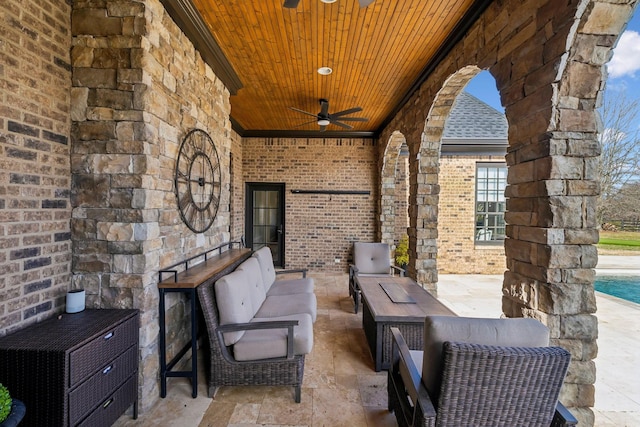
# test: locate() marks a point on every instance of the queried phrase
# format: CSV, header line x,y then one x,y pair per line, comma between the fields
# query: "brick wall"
x,y
320,228
35,244
457,252
236,197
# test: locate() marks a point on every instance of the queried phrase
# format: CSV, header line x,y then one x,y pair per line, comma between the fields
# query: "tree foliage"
x,y
619,168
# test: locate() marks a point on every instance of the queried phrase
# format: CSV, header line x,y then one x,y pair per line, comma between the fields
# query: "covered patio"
x,y
341,387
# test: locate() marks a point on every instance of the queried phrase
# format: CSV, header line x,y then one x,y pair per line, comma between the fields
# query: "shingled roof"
x,y
474,126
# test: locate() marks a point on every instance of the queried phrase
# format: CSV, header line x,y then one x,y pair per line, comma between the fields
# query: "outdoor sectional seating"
x,y
259,329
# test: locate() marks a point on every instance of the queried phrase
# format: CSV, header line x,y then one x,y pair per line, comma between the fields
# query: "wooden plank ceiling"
x,y
377,53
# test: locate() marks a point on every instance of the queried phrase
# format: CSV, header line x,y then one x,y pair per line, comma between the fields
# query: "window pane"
x,y
490,202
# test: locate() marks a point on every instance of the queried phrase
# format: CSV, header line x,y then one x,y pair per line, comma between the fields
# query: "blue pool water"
x,y
625,287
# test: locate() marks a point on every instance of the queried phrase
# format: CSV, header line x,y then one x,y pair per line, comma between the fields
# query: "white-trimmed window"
x,y
491,180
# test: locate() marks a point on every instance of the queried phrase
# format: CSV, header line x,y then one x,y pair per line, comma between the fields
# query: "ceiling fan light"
x,y
328,1
324,71
323,122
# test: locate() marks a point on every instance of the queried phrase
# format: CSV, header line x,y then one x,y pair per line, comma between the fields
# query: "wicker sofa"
x,y
259,328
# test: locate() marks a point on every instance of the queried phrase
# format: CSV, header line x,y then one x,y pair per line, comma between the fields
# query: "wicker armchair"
x,y
369,259
224,370
480,384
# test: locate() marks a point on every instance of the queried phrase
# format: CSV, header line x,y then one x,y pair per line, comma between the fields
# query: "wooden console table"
x,y
213,266
380,313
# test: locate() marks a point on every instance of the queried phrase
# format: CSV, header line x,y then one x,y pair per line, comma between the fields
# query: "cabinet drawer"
x,y
97,353
90,393
112,407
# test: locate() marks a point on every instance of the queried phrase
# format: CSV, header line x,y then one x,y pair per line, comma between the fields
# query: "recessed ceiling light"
x,y
328,1
324,71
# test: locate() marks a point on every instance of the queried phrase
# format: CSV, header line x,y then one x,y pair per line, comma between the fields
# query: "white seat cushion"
x,y
304,285
285,305
270,343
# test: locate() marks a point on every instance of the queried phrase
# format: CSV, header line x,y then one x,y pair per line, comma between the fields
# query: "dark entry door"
x,y
264,222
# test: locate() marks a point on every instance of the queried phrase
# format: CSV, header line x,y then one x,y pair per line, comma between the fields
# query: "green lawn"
x,y
620,241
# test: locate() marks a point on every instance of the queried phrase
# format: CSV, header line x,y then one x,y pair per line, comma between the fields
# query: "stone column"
x,y
137,85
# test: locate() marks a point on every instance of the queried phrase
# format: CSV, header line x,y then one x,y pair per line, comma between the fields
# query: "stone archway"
x,y
424,179
389,188
547,58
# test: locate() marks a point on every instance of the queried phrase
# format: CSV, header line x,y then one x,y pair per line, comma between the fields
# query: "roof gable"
x,y
473,119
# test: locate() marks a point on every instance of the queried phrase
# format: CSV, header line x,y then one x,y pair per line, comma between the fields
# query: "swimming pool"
x,y
625,287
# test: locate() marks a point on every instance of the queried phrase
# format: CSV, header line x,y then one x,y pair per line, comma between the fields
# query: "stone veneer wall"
x,y
138,87
35,240
401,197
548,61
320,228
457,251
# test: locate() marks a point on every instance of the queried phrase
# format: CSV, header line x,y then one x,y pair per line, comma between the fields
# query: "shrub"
x,y
402,252
5,403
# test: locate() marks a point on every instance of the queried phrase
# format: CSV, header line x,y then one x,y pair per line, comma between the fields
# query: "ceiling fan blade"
x,y
303,112
344,125
305,123
324,107
365,3
291,4
345,112
354,119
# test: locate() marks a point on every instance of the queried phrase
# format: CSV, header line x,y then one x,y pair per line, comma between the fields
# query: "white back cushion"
x,y
520,332
372,258
254,278
265,259
233,297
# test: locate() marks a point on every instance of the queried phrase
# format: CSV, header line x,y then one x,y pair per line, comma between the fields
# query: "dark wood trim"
x,y
460,30
301,134
361,192
189,20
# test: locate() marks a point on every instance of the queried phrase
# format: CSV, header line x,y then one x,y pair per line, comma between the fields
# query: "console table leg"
x,y
162,345
194,344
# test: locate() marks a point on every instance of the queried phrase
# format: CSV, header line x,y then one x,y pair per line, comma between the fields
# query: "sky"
x,y
624,69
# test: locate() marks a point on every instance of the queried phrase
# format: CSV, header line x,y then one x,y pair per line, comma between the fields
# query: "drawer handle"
x,y
107,369
108,336
107,403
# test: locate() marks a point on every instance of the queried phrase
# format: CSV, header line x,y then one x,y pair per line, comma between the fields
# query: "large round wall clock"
x,y
197,181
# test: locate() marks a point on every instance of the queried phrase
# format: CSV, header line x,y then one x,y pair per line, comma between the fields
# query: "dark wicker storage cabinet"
x,y
77,370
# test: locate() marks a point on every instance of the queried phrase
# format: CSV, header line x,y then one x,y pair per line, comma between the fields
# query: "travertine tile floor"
x,y
341,388
340,385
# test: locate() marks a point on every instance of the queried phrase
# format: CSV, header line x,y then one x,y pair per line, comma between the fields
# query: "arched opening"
x,y
394,216
471,205
472,179
424,201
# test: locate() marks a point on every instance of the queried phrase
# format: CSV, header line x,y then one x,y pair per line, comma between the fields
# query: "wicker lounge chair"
x,y
455,382
369,259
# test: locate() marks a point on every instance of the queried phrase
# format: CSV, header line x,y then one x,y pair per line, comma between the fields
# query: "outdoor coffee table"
x,y
395,302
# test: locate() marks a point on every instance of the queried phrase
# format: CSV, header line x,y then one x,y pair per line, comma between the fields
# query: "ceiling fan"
x,y
324,119
292,4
